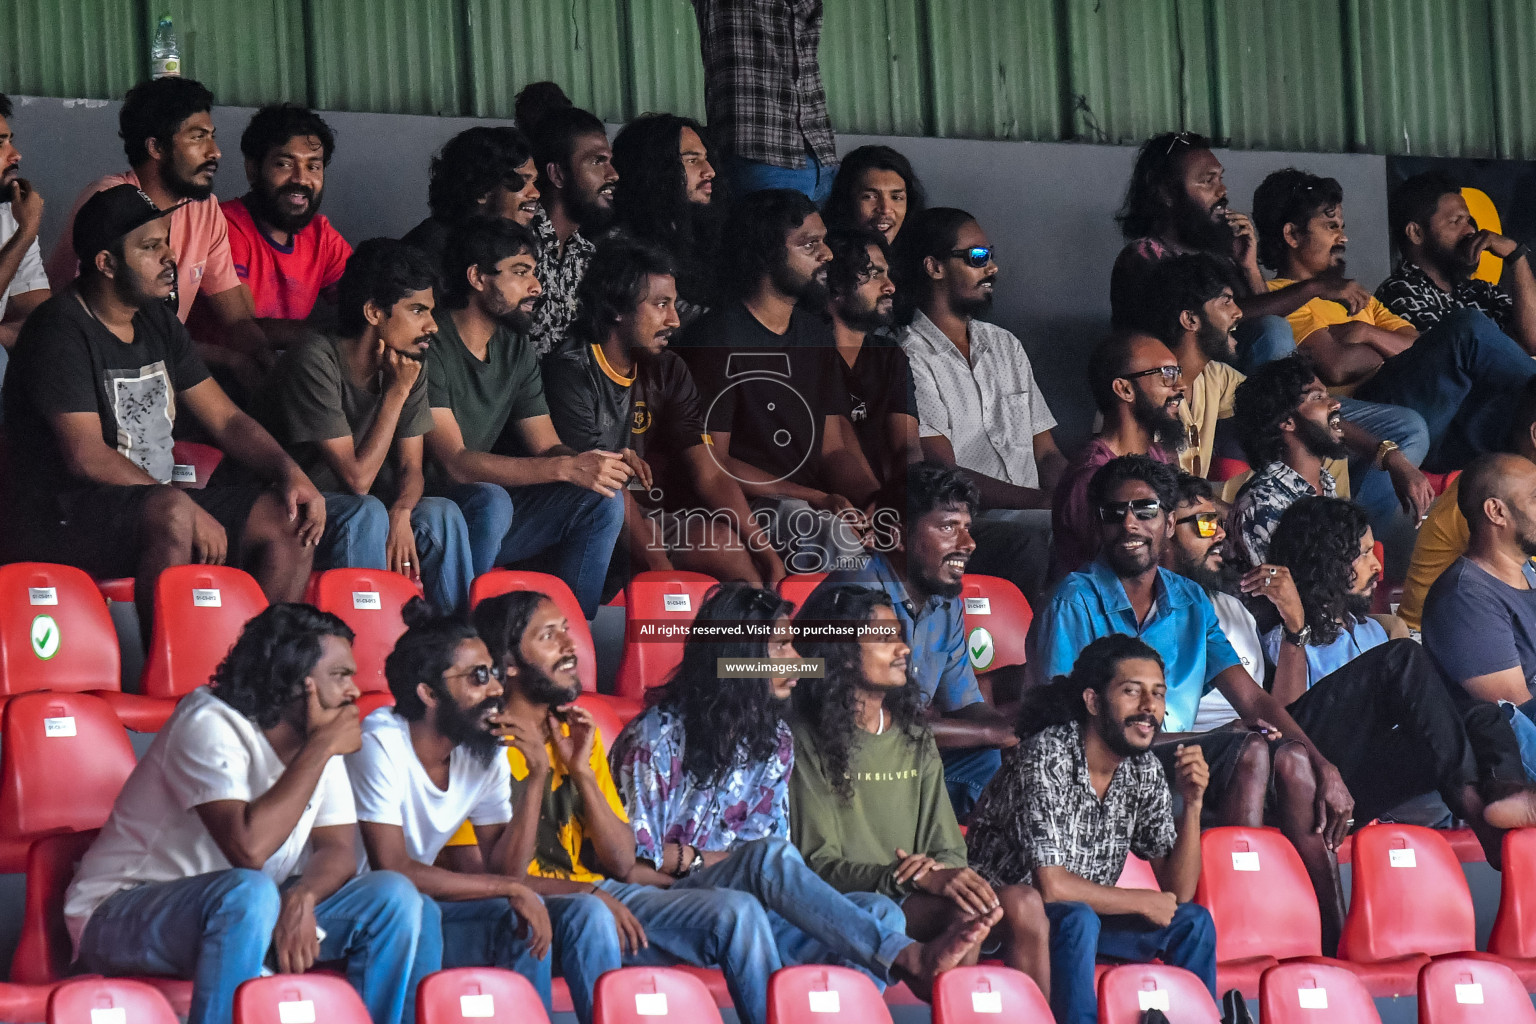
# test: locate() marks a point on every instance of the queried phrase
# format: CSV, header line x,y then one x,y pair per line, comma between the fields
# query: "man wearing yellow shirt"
x,y
1300,221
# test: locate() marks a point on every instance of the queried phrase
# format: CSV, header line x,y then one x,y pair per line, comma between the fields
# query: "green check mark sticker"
x,y
978,645
45,637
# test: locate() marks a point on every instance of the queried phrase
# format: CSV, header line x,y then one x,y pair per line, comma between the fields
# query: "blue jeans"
x,y
966,774
483,933
1079,936
705,928
586,942
814,180
1371,487
811,921
1464,376
1263,339
573,529
215,930
357,534
1525,736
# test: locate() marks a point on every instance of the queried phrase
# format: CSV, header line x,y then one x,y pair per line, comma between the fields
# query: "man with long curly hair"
x,y
704,774
233,844
868,806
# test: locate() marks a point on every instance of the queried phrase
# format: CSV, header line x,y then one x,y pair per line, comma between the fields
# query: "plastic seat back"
x,y
63,759
1130,990
997,619
44,950
1461,990
108,1001
611,714
199,613
1408,896
299,999
653,995
195,463
1137,874
798,586
820,994
1257,890
370,601
505,581
478,994
988,994
652,600
1314,994
55,631
1514,929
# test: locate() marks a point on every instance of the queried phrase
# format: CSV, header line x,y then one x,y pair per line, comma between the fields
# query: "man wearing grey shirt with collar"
x,y
978,406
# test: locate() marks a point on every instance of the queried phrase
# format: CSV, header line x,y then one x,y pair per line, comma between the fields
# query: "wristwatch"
x,y
1519,252
1383,450
1300,638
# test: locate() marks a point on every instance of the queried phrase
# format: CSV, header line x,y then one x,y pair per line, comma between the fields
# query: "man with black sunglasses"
x,y
978,406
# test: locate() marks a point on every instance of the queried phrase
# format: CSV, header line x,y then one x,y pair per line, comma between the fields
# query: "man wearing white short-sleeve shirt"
x,y
23,281
233,843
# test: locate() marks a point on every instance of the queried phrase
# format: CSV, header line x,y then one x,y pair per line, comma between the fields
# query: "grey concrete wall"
x,y
1048,207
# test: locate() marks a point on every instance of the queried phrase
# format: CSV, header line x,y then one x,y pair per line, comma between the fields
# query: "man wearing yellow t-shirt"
x,y
581,840
1300,221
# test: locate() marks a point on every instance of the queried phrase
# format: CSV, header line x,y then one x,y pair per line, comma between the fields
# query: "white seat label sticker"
x,y
987,1002
482,1005
1312,998
1401,859
366,601
825,1002
206,598
109,1015
296,1011
676,603
1472,994
1245,860
1154,999
651,1004
978,606
53,727
42,595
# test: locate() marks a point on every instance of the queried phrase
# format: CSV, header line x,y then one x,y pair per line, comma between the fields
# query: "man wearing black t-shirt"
x,y
766,367
882,400
494,451
98,376
615,387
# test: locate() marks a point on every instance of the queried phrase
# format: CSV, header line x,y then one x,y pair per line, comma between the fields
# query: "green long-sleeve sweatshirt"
x,y
899,802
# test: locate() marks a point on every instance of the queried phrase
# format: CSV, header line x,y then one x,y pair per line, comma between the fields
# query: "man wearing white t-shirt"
x,y
233,843
23,281
432,762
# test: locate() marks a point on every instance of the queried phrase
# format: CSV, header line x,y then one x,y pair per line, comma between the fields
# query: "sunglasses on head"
x,y
1142,508
1171,374
1205,523
976,256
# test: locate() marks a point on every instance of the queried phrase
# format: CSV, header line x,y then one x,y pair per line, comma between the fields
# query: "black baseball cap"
x,y
111,214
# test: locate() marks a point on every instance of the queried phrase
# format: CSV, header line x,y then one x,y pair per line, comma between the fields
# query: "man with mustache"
x,y
1176,204
1439,246
495,452
23,282
576,187
352,409
767,373
167,129
482,173
101,372
620,389
978,405
1464,375
1138,386
433,762
882,400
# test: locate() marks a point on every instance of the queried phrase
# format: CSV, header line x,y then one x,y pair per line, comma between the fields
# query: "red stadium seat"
x,y
821,994
200,459
672,598
1130,990
1137,874
1224,468
997,619
988,994
611,714
119,589
292,998
1314,994
478,994
370,601
78,1002
1514,929
49,740
652,995
504,581
1257,890
23,1004
199,613
796,587
55,631
1462,990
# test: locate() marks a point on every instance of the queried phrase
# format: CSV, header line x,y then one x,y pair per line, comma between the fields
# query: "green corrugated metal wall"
x,y
1436,77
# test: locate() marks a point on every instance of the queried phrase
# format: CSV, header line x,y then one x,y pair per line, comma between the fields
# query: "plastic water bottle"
x,y
164,54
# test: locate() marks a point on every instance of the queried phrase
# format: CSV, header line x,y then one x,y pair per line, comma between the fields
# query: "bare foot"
x,y
1515,811
920,963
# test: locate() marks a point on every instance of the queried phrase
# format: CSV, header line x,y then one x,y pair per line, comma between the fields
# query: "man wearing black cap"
x,y
98,374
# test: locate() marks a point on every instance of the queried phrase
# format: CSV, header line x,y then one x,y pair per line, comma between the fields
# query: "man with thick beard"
x,y
493,447
168,135
1138,386
765,365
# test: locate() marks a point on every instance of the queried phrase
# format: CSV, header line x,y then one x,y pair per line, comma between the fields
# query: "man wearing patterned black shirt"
x,y
1439,245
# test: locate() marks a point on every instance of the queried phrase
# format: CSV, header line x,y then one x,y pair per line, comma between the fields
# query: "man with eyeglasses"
x,y
1138,387
978,406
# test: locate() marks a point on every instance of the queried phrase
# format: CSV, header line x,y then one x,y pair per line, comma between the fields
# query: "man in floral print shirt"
x,y
714,813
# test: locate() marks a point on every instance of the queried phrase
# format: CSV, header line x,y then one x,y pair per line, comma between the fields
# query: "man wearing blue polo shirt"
x,y
920,562
1125,591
